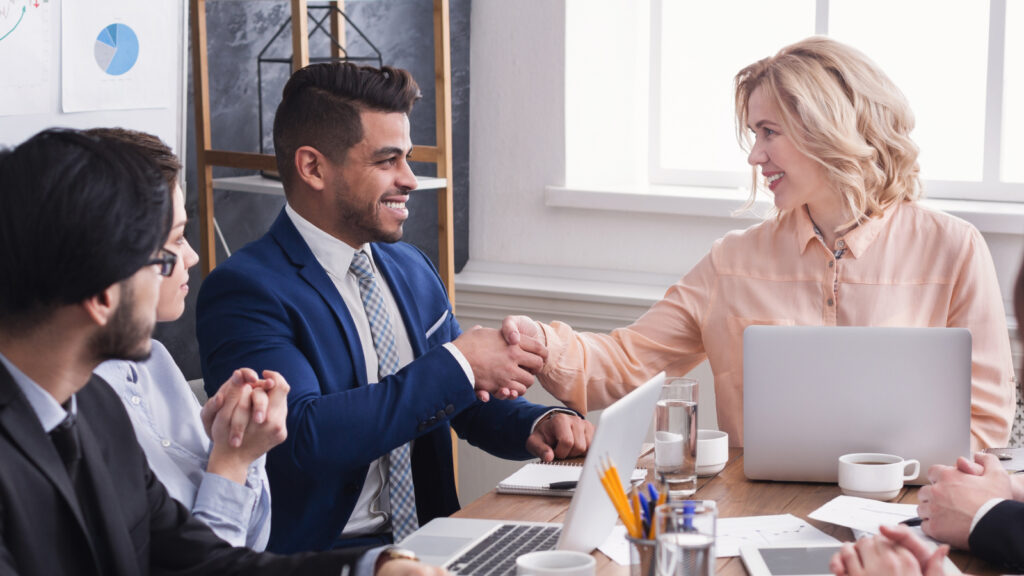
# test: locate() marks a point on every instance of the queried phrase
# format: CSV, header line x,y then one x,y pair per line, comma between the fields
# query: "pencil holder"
x,y
641,556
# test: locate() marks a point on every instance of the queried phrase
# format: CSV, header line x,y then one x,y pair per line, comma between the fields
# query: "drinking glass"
x,y
685,534
675,437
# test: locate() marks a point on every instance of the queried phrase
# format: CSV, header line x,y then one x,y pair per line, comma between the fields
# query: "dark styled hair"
x,y
77,215
321,103
150,146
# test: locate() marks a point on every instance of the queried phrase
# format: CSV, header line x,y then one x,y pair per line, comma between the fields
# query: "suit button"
x,y
449,409
440,415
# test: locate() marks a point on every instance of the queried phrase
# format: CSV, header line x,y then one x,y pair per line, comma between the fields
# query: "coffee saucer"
x,y
710,469
887,495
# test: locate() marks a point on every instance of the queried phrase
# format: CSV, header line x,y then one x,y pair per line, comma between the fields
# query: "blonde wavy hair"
x,y
841,110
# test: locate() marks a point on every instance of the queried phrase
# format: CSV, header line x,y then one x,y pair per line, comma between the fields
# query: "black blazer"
x,y
999,536
144,530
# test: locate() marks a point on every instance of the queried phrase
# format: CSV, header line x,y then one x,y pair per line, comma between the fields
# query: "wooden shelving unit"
x,y
207,157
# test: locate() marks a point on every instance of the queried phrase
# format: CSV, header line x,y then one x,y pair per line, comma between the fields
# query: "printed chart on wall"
x,y
117,54
25,32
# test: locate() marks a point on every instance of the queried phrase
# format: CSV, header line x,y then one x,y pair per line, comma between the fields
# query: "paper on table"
x,y
731,533
776,530
615,546
863,513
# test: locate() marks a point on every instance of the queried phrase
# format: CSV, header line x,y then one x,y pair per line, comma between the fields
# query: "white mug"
x,y
712,452
555,563
877,476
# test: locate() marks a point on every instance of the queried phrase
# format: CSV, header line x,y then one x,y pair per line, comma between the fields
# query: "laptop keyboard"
x,y
496,554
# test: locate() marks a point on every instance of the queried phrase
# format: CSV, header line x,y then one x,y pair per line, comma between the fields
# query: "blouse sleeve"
x,y
239,514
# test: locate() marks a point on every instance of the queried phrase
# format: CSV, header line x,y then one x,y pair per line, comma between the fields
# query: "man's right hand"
x,y
409,568
500,369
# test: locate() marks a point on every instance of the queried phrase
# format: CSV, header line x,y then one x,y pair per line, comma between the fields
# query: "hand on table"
x,y
409,568
560,435
897,552
947,507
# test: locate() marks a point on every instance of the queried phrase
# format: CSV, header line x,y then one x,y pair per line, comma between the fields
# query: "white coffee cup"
x,y
712,452
555,563
877,476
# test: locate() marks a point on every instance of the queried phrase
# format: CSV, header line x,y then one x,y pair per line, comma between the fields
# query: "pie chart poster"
x,y
117,54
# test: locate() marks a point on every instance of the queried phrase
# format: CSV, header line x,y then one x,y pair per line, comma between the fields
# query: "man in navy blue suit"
x,y
361,327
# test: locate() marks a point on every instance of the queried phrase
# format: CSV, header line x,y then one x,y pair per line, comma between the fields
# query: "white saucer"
x,y
710,469
872,495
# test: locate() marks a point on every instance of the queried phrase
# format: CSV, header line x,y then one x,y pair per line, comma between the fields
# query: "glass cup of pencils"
x,y
685,534
636,510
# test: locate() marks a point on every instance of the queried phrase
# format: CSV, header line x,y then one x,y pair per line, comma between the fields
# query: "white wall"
x,y
600,268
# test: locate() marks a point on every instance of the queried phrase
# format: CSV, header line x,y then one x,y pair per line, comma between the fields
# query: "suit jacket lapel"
x,y
19,422
310,270
404,298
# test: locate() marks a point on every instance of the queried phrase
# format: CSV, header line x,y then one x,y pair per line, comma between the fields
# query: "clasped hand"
x,y
245,419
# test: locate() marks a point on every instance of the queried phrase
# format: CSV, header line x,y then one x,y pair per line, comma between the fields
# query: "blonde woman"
x,y
828,136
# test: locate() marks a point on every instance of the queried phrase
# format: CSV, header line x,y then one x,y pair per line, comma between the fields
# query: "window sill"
x,y
988,217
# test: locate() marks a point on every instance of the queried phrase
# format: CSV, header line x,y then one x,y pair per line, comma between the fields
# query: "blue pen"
x,y
652,491
644,503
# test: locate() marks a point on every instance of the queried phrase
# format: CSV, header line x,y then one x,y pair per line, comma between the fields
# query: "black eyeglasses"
x,y
167,260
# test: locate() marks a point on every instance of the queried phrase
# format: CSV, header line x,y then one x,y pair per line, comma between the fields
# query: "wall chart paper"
x,y
25,32
117,54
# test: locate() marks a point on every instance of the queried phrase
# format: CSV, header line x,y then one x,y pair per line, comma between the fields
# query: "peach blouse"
x,y
911,267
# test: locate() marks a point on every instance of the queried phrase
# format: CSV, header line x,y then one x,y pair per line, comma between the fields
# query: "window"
x,y
963,74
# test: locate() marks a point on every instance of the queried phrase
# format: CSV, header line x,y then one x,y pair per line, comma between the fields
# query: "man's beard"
x,y
124,337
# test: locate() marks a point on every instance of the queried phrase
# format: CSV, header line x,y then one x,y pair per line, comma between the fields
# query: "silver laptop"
x,y
471,546
811,394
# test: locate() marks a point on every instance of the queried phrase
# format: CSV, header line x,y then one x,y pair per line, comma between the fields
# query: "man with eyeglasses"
x,y
81,223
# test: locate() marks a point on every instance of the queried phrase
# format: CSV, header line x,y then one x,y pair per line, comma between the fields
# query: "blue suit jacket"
x,y
272,306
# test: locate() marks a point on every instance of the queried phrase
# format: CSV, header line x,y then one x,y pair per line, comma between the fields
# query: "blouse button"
x,y
165,443
829,301
136,400
841,244
831,263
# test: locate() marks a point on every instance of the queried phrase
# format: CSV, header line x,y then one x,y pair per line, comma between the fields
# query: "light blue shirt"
x,y
165,415
47,410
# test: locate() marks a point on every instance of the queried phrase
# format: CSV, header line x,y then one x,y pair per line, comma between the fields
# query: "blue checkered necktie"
x,y
401,494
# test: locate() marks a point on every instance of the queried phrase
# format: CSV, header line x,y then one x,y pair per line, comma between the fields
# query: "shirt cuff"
x,y
366,562
225,506
462,362
982,511
551,412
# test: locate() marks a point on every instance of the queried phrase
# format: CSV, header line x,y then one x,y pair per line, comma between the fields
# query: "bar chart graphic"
x,y
116,49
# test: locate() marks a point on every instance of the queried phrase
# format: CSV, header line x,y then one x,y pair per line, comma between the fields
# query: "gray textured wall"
x,y
403,32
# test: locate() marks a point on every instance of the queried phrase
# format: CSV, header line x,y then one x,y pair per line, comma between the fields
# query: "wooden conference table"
x,y
734,495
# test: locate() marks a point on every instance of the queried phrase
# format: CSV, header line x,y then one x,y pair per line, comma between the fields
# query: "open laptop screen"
x,y
812,393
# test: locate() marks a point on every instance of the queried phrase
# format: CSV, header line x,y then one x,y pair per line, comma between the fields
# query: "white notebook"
x,y
536,478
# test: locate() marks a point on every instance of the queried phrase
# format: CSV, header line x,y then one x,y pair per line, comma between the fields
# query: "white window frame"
x,y
989,188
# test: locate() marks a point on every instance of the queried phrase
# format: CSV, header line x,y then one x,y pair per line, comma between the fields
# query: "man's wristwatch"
x,y
393,553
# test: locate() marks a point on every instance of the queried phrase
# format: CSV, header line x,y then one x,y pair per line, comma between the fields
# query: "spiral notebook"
x,y
536,477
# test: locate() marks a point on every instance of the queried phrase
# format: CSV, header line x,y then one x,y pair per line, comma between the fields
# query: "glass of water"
x,y
685,533
675,437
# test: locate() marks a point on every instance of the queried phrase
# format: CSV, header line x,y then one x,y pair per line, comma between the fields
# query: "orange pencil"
x,y
638,518
661,500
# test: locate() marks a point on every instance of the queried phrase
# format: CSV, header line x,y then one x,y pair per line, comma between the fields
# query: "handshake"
x,y
504,361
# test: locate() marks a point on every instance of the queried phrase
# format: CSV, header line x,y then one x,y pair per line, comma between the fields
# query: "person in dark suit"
x,y
82,221
974,505
361,327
